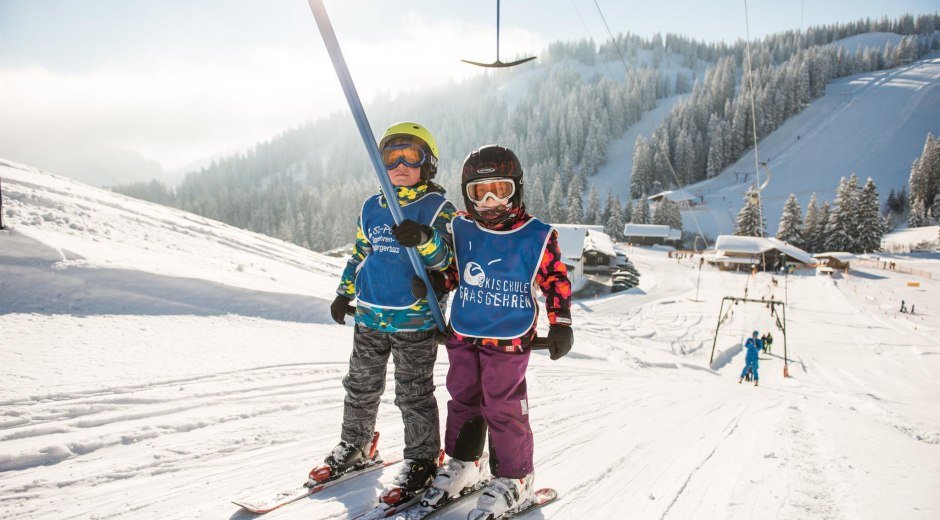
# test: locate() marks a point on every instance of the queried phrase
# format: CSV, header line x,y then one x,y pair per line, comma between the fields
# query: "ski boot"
x,y
413,478
453,480
345,457
503,495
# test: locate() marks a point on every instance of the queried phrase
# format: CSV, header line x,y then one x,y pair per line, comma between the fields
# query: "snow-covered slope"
x,y
873,125
158,365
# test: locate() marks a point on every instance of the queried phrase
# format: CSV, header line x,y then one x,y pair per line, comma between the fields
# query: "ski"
x,y
541,498
266,505
424,511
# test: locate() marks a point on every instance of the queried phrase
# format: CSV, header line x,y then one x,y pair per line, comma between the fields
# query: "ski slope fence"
x,y
884,265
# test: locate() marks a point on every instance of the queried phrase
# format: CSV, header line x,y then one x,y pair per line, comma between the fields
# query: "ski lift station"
x,y
734,253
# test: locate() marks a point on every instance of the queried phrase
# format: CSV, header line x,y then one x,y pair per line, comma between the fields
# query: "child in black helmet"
x,y
501,254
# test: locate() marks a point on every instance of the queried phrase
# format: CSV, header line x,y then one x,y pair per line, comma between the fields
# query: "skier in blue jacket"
x,y
753,346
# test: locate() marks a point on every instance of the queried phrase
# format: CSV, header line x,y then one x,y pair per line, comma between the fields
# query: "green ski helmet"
x,y
413,132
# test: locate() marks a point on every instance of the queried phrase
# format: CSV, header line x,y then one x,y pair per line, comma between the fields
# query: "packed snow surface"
x,y
157,365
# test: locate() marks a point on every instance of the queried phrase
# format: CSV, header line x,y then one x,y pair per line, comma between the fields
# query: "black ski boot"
x,y
343,458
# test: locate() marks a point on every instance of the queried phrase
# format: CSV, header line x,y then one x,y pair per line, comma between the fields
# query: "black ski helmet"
x,y
491,162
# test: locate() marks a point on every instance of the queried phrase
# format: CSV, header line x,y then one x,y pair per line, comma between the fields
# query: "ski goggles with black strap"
x,y
500,190
409,154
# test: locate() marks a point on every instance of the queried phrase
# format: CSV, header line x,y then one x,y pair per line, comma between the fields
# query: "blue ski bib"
x,y
384,277
497,269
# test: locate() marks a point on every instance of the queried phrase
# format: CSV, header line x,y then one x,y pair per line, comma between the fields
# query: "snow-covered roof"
x,y
646,230
757,245
838,255
600,242
571,240
675,234
673,195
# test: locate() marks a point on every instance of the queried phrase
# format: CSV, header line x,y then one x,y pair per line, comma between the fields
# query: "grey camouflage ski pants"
x,y
414,354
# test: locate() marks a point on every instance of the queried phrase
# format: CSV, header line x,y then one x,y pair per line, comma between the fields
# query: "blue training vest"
x,y
497,269
384,277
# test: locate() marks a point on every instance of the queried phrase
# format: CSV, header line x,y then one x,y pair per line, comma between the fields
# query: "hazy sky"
x,y
177,81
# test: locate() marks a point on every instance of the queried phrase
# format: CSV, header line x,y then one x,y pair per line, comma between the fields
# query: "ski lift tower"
x,y
780,318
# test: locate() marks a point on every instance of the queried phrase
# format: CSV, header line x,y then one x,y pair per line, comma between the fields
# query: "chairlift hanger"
x,y
498,63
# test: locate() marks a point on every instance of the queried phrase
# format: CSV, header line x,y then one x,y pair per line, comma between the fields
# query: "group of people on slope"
x,y
492,256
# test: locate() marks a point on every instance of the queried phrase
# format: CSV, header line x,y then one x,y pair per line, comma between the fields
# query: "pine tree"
x,y
628,212
791,223
841,232
871,226
821,238
918,215
575,209
556,202
594,207
667,214
811,226
641,176
535,197
614,225
641,212
750,220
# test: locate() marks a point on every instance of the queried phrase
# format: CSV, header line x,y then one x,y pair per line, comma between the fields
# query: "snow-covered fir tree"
x,y
534,195
614,224
594,210
821,238
556,202
811,225
750,220
628,212
871,226
641,177
918,214
842,232
667,214
575,206
641,212
924,182
791,223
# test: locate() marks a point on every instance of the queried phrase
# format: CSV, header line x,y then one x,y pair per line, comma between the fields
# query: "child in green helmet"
x,y
389,319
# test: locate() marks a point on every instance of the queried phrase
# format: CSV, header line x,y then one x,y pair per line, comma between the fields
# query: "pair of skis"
x,y
413,509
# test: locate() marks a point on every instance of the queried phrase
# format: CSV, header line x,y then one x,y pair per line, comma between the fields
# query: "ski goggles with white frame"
x,y
500,190
409,154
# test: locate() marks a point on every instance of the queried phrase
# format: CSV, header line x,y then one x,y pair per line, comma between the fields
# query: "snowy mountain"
x,y
156,364
871,124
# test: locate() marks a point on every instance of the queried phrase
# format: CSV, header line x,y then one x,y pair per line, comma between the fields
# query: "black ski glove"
x,y
419,290
410,233
339,308
560,338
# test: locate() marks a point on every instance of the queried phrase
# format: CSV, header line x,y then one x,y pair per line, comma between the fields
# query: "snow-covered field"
x,y
154,364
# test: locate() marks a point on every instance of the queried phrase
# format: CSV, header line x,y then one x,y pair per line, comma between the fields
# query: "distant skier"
x,y
500,251
753,346
903,307
768,343
390,320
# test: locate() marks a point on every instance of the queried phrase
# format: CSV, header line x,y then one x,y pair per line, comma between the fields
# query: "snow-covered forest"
x,y
561,115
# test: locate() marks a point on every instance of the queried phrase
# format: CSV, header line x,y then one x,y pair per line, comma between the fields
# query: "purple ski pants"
x,y
487,382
